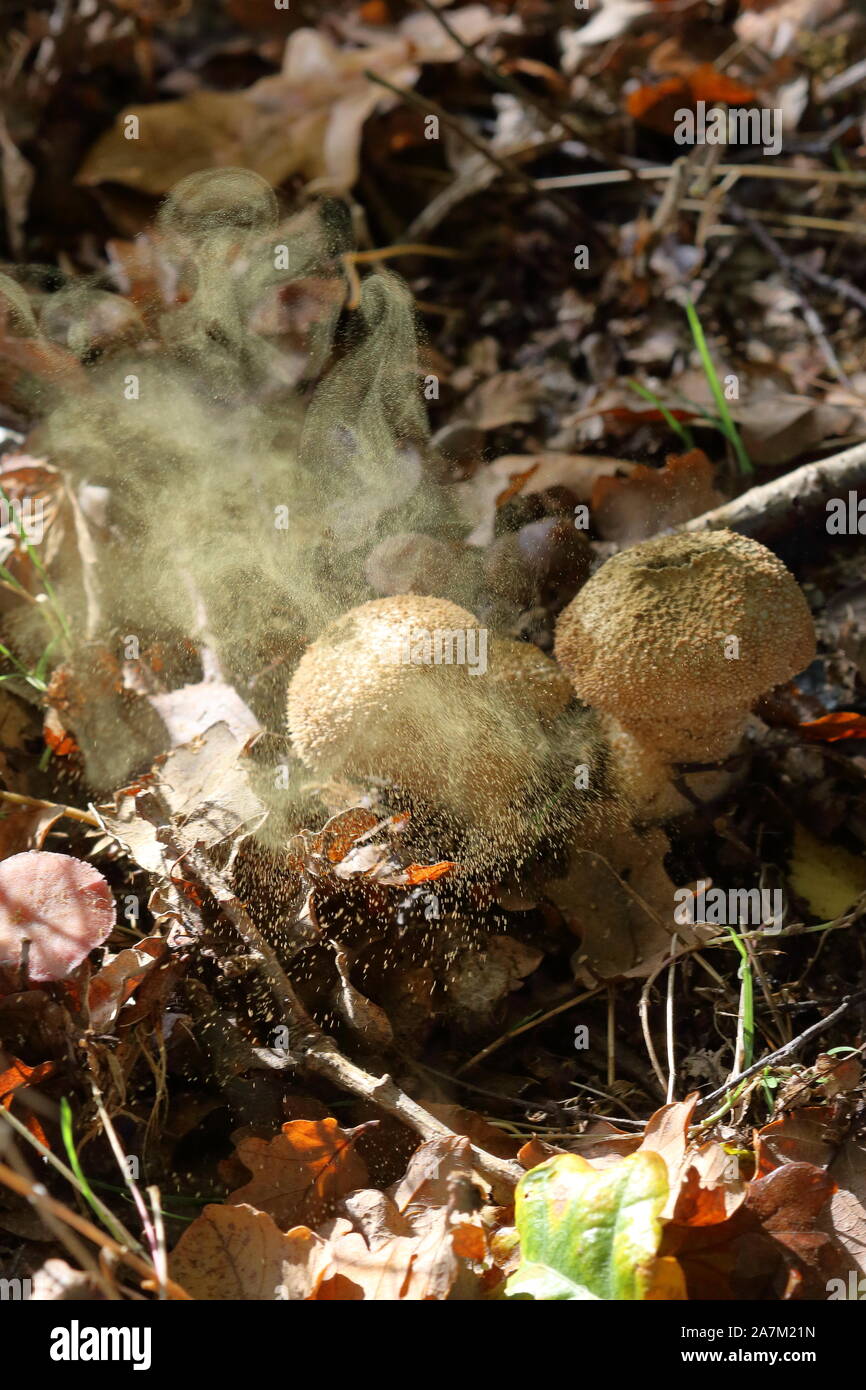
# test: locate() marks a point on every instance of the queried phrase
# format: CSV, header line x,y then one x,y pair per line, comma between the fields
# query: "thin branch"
x,y
311,1048
70,812
853,178
505,165
769,508
783,1053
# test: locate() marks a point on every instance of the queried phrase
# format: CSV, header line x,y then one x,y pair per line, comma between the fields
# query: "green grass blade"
x,y
727,422
84,1186
672,422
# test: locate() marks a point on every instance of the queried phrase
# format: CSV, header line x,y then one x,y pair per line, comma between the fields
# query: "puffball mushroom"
x,y
380,695
675,639
61,906
523,673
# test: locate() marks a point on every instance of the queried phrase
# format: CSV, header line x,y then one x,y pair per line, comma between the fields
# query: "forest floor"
x,y
309,1056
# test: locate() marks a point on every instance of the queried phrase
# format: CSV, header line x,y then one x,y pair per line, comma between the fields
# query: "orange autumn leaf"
x,y
375,12
830,728
644,417
426,873
654,104
298,1175
645,99
17,1076
515,485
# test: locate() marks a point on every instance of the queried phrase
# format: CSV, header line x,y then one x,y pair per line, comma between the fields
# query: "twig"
x,y
810,314
795,268
611,1035
37,1194
853,178
503,163
117,1149
788,1050
309,1046
524,1028
508,83
383,253
669,1032
764,510
70,812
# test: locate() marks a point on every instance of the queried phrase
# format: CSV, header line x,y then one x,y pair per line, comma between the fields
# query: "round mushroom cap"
x,y
54,910
678,636
400,689
523,673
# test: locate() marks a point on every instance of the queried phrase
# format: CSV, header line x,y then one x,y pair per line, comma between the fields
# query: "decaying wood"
x,y
779,505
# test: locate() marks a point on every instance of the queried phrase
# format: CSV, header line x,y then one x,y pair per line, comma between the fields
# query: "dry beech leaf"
x,y
307,120
506,399
798,1137
418,1267
844,1217
27,828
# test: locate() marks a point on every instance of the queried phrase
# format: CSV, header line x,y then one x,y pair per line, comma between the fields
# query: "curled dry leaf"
x,y
653,499
367,1020
119,978
16,1077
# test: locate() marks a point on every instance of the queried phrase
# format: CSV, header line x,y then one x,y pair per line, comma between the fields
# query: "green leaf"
x,y
540,1283
587,1232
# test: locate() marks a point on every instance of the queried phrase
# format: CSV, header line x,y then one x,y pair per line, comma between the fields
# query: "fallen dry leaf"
x,y
236,1252
307,120
119,978
652,499
297,1176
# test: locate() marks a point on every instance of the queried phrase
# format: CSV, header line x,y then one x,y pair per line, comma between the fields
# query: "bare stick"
x,y
312,1049
503,163
851,178
782,1053
772,507
70,812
